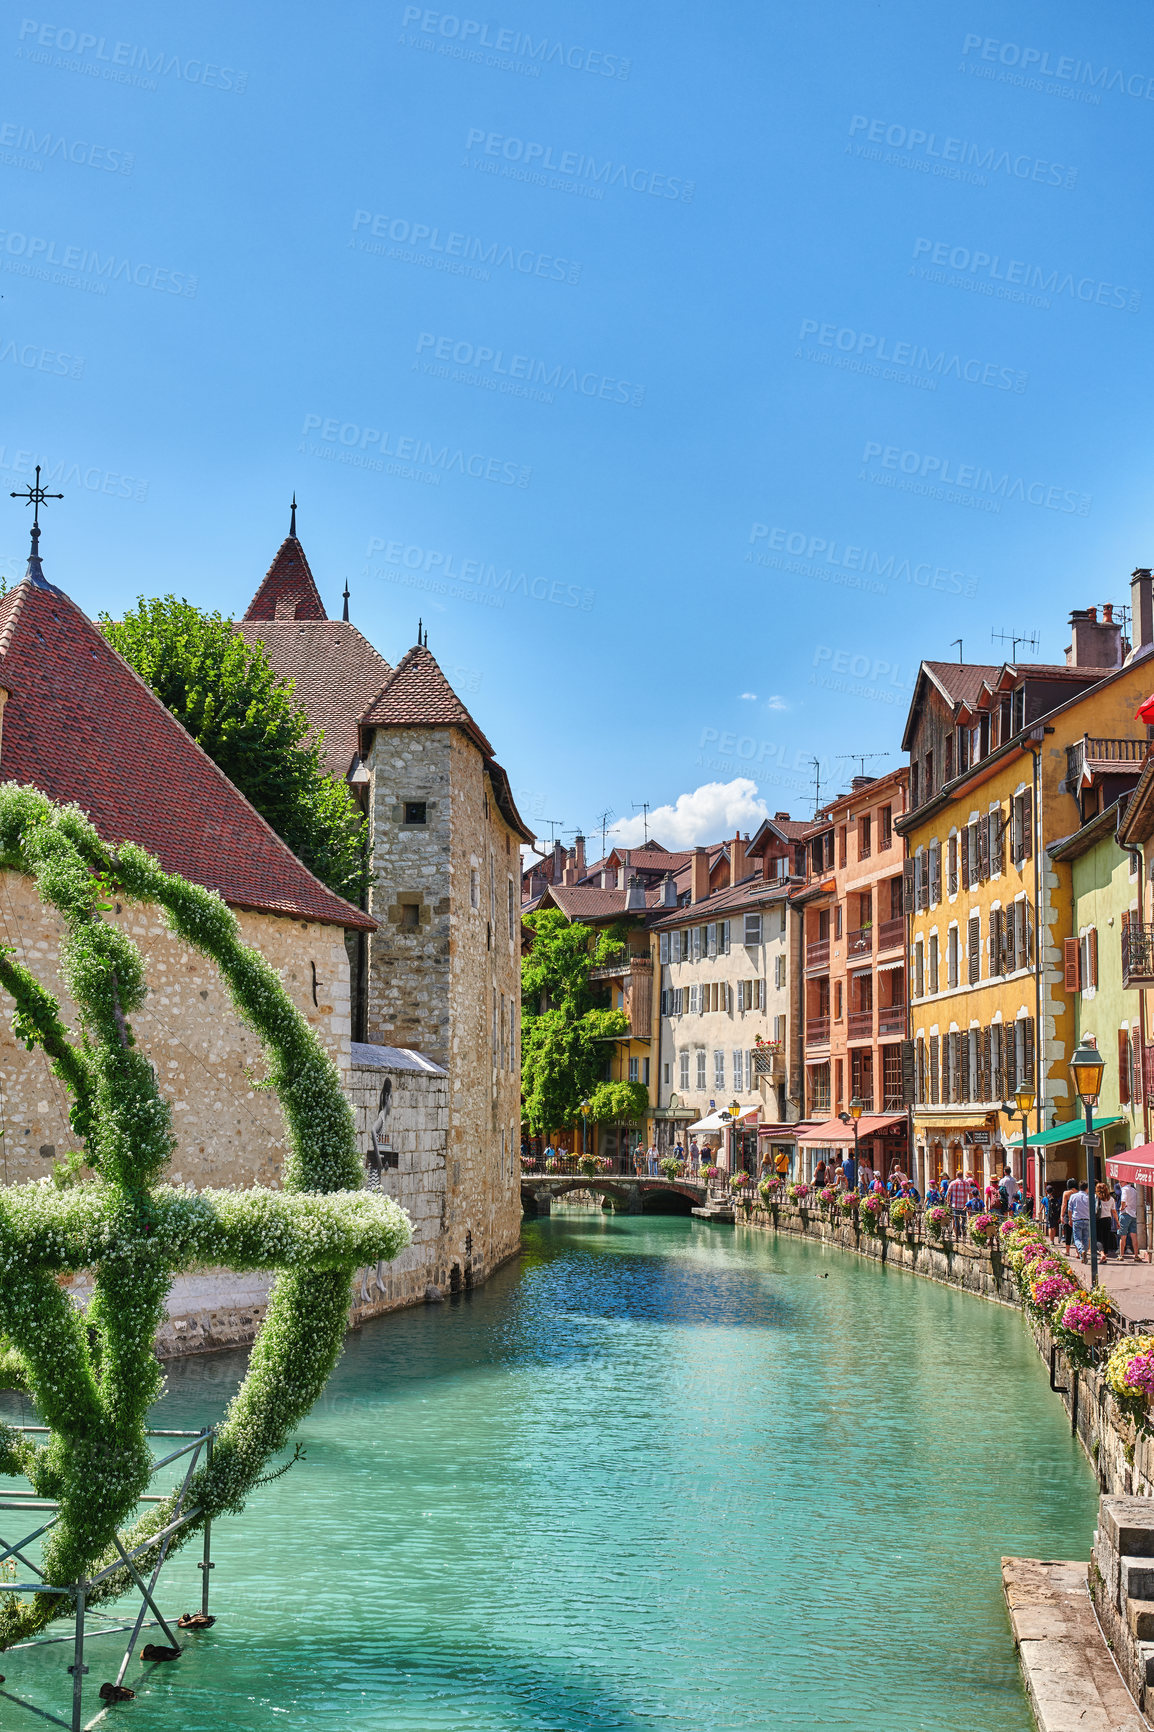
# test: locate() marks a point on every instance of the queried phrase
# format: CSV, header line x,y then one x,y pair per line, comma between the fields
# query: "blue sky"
x,y
692,377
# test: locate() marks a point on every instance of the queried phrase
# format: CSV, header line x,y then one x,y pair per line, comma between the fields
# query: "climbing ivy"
x,y
93,1377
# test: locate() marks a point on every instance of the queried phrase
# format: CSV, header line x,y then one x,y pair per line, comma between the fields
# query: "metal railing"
x,y
892,933
624,965
860,941
816,1028
566,1166
892,1019
859,1024
1137,955
817,953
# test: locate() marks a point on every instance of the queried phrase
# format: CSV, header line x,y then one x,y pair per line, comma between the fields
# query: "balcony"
x,y
817,954
860,941
860,1025
1095,756
892,1020
816,1030
892,933
768,1060
623,966
1137,955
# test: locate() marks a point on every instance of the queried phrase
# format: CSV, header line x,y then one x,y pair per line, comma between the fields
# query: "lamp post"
x,y
856,1108
583,1109
1024,1100
734,1115
1086,1068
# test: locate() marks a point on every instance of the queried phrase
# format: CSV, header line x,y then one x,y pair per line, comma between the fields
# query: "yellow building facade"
x,y
997,757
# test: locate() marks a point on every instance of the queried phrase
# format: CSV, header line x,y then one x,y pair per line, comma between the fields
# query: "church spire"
x,y
293,518
35,496
345,615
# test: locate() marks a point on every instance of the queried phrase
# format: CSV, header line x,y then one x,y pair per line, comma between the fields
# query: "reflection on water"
x,y
661,1474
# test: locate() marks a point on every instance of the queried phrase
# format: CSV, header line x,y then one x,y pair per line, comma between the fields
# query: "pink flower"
x,y
1139,1373
1047,1292
1083,1315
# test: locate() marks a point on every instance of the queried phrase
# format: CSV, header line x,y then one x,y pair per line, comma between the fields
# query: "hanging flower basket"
x,y
937,1222
904,1215
799,1194
984,1229
872,1212
848,1203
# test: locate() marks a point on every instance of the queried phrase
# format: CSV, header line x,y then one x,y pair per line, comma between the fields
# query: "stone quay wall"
x,y
1121,1454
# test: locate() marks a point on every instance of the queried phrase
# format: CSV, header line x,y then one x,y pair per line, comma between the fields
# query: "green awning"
x,y
1063,1133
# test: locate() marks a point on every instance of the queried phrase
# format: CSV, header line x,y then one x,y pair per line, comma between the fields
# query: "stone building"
x,y
76,722
439,974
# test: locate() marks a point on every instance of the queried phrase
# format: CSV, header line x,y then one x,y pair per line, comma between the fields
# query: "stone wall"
x,y
229,1132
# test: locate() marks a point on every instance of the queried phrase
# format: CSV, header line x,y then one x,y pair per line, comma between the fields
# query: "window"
x,y
885,828
837,1000
701,1067
645,1071
841,845
949,764
1125,1070
663,945
919,969
723,937
837,919
1133,874
512,912
779,1029
695,948
929,787
935,872
1132,857
779,971
415,812
711,940
718,1070
933,962
975,951
839,1081
952,958
738,1071
952,865
752,929
474,888
1022,827
864,836
914,795
633,1077
411,915
683,1070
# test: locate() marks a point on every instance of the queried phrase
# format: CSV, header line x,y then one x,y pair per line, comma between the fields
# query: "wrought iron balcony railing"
x,y
1137,955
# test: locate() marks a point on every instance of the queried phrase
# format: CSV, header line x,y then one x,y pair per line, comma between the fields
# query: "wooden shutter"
x,y
997,842
983,830
1136,1067
952,875
934,1044
985,1082
908,895
1027,824
1029,933
1029,1038
995,941
1070,957
964,846
935,873
974,945
909,1089
1123,1066
1093,956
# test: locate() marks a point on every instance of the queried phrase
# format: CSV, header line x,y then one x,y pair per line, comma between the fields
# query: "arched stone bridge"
x,y
539,1191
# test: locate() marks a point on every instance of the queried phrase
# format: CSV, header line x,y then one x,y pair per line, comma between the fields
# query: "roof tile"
x,y
289,590
417,695
81,726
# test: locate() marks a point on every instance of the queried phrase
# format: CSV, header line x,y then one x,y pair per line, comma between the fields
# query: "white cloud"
x,y
776,702
709,814
749,697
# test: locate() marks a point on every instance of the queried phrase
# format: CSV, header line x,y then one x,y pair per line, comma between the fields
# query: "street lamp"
x,y
583,1109
1086,1068
734,1115
1024,1097
856,1108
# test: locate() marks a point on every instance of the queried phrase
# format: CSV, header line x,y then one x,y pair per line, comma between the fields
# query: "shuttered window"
x,y
1124,1078
663,946
1071,960
975,948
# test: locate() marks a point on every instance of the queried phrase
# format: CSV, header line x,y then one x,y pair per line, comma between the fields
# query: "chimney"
x,y
668,891
699,875
579,853
1094,643
569,875
635,895
737,858
1142,607
608,878
537,882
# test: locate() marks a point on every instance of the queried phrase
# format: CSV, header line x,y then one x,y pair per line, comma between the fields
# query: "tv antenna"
x,y
816,762
554,825
642,806
1030,639
602,822
860,758
958,641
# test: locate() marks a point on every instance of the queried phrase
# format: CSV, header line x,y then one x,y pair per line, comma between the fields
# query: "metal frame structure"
x,y
80,1592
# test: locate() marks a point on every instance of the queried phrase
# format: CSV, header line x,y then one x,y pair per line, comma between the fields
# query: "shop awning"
x,y
1063,1133
1134,1167
780,1133
834,1134
715,1121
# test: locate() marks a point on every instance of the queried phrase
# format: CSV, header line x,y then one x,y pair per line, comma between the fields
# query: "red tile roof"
x,y
417,695
960,682
81,726
336,672
289,590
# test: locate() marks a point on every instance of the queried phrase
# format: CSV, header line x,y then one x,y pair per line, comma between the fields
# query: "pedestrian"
x,y
1009,1187
694,1154
1107,1222
1128,1223
819,1174
849,1171
1065,1219
1078,1214
957,1195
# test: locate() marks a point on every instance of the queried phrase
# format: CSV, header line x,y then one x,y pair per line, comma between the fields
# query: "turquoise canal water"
x,y
658,1476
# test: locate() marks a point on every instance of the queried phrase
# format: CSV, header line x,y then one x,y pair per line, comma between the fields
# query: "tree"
x,y
563,1028
232,701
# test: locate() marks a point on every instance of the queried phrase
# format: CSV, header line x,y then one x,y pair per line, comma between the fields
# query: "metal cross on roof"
x,y
35,496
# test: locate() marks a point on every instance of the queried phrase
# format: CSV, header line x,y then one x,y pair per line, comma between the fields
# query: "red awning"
x,y
1135,1166
1146,714
833,1133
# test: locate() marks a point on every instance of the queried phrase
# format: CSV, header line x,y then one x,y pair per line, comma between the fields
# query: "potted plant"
x,y
827,1196
671,1166
984,1229
799,1193
872,1212
904,1214
739,1180
937,1222
1130,1375
847,1203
